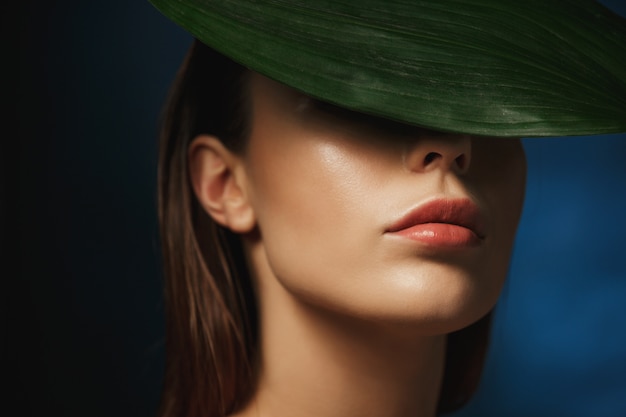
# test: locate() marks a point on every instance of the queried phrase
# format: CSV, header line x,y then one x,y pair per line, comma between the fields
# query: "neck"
x,y
316,362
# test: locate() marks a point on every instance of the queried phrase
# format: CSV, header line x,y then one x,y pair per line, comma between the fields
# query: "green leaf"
x,y
487,67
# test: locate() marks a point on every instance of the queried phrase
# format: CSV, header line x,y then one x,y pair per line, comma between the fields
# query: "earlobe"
x,y
218,181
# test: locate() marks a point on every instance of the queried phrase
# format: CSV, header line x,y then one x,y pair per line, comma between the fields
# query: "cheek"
x,y
499,176
508,186
500,180
311,207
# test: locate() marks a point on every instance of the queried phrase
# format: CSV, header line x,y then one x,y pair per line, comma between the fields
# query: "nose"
x,y
446,152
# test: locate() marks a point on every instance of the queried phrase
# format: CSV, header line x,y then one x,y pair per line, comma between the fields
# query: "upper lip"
x,y
461,212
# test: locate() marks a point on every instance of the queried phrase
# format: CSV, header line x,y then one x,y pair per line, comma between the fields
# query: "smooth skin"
x,y
353,320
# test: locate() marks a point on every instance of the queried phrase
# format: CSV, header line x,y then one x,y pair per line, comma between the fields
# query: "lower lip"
x,y
442,235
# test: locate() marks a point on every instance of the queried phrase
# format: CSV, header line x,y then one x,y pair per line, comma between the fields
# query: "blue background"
x,y
85,311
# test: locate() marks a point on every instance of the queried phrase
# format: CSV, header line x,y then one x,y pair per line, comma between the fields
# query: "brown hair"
x,y
211,321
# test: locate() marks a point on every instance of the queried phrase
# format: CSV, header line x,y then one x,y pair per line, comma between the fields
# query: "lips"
x,y
444,222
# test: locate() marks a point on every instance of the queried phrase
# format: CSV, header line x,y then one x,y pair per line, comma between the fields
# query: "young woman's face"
x,y
379,220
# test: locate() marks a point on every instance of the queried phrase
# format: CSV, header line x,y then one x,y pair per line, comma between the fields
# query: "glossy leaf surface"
x,y
487,67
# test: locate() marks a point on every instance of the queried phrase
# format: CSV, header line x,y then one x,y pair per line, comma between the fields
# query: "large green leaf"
x,y
488,67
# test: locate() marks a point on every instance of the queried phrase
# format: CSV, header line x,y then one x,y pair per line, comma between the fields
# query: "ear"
x,y
218,180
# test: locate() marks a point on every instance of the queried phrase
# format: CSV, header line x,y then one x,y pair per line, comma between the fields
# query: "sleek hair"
x,y
211,310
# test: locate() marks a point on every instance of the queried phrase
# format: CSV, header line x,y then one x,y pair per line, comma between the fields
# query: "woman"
x,y
321,261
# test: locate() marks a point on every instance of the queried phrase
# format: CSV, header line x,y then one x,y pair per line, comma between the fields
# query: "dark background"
x,y
81,292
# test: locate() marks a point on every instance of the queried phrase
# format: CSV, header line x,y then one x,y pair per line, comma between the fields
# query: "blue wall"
x,y
86,312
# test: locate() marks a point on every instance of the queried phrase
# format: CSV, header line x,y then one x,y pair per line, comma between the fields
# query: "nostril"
x,y
428,153
430,157
461,161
